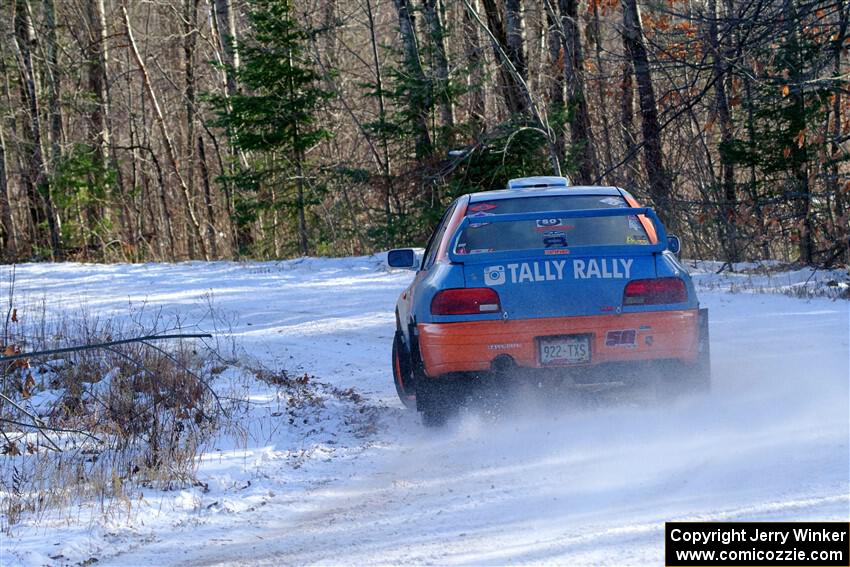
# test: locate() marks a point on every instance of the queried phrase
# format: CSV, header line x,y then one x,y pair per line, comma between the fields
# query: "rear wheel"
x,y
402,373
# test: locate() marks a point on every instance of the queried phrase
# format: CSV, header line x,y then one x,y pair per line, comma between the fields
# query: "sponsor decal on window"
x,y
479,215
481,207
548,223
555,270
554,238
614,202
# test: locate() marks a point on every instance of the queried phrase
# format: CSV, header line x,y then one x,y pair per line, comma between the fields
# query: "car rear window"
x,y
481,236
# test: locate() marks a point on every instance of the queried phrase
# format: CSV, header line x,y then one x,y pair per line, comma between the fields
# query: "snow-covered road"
x,y
566,481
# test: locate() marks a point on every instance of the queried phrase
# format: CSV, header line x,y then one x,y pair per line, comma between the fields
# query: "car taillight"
x,y
654,292
466,301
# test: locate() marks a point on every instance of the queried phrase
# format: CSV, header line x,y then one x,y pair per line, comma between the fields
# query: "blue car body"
x,y
544,276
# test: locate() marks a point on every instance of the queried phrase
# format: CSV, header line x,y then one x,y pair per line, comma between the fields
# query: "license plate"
x,y
570,349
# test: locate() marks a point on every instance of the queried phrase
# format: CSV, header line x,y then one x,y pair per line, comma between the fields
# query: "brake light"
x,y
655,291
465,301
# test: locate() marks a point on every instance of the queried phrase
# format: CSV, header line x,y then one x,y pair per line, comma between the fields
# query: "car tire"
x,y
403,373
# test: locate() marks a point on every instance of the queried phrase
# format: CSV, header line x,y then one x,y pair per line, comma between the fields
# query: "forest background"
x,y
141,130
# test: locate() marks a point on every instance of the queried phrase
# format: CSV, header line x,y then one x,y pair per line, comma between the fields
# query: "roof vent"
x,y
538,182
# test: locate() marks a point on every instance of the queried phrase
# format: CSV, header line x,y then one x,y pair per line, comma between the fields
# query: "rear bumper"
x,y
472,347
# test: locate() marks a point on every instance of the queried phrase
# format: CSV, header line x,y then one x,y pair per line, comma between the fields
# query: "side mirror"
x,y
402,258
674,244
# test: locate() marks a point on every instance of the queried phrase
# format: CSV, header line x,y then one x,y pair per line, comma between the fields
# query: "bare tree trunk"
x,y
659,183
105,141
208,200
538,41
53,84
98,130
10,240
299,172
727,166
223,22
164,207
190,35
515,36
513,90
538,118
579,119
226,24
385,163
475,78
600,86
752,184
627,118
28,200
421,102
433,16
804,200
835,148
24,41
556,84
169,146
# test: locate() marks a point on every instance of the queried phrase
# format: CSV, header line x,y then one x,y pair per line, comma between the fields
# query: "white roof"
x,y
538,182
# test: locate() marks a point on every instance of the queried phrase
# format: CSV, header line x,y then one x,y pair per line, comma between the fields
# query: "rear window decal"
x,y
555,238
631,239
481,207
560,227
556,270
614,202
477,215
547,223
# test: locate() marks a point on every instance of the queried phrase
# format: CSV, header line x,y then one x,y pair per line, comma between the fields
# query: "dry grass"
x,y
92,428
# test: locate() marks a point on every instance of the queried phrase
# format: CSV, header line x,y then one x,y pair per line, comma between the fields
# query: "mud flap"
x,y
435,402
703,373
704,345
402,373
675,379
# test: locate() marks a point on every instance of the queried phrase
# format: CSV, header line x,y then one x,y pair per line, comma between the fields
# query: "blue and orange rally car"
x,y
549,279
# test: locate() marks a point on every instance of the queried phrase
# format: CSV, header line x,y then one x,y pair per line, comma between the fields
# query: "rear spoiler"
x,y
607,250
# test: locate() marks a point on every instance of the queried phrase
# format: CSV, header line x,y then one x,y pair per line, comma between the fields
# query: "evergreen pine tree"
x,y
273,118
